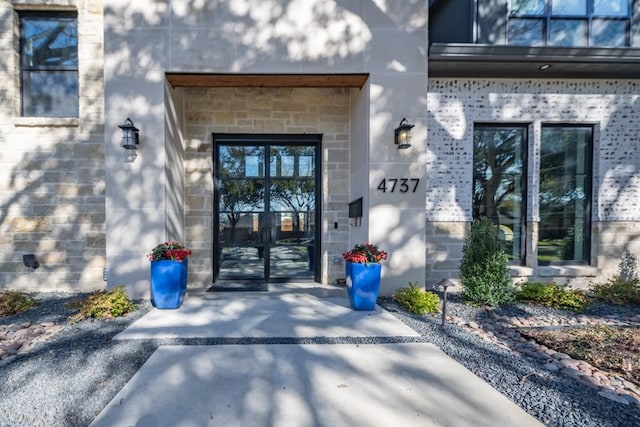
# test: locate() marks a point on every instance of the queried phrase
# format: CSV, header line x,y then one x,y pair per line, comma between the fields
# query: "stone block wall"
x,y
444,249
52,201
265,110
613,239
611,107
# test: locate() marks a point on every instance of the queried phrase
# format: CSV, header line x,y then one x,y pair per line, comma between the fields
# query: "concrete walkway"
x,y
399,384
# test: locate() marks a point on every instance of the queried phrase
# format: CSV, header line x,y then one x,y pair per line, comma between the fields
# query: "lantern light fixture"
x,y
402,134
130,135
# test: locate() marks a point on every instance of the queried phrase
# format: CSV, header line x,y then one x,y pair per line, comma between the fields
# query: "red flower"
x,y
169,251
365,253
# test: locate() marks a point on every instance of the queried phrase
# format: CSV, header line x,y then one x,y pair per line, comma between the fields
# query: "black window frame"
x,y
524,128
61,68
547,16
588,190
267,141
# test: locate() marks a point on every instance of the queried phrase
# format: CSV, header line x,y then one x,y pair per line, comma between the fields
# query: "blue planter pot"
x,y
168,283
363,285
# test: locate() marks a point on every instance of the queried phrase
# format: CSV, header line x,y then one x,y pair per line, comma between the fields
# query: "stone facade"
x,y
266,110
444,249
454,105
70,194
52,185
146,42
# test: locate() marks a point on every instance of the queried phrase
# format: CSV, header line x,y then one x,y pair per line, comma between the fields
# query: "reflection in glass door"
x,y
266,195
240,200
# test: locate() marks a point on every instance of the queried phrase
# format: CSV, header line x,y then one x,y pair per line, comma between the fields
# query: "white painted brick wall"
x,y
612,106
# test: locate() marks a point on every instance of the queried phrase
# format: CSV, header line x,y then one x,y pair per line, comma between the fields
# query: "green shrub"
x,y
14,302
484,269
417,300
552,295
618,291
104,305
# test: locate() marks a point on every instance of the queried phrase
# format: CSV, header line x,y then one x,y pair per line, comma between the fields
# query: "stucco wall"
x,y
145,39
612,107
52,183
174,169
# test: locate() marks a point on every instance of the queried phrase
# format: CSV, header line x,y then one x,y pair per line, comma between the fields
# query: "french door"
x,y
266,207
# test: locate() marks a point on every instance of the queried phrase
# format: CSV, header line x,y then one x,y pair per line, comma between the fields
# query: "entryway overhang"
x,y
266,80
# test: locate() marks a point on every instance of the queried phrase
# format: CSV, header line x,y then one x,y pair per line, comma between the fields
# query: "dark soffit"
x,y
474,60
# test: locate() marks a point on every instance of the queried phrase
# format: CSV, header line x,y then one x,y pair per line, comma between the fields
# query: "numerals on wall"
x,y
402,185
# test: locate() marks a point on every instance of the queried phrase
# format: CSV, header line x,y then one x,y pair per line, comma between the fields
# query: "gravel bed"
x,y
69,379
554,399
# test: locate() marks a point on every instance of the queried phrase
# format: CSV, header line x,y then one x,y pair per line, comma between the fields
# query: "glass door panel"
x,y
266,211
292,201
241,252
241,161
241,204
293,246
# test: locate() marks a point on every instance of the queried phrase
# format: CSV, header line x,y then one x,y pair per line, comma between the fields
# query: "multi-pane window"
x,y
49,64
499,184
499,189
565,186
573,23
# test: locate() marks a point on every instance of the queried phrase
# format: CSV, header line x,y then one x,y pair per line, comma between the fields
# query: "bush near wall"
x,y
417,300
484,269
552,295
13,302
104,305
618,291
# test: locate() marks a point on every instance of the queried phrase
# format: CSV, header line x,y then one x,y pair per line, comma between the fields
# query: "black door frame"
x,y
267,140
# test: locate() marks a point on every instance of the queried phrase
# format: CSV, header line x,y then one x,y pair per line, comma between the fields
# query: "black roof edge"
x,y
498,53
469,60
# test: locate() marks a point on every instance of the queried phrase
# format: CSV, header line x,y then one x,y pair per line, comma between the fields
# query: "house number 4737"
x,y
403,185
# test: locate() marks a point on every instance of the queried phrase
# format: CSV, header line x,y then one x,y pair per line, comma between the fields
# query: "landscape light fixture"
x,y
130,137
402,134
30,260
444,284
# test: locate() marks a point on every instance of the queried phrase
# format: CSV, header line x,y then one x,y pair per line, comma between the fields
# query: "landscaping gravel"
x,y
69,379
553,399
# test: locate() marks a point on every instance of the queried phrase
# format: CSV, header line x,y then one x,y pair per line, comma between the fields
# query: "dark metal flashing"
x,y
475,60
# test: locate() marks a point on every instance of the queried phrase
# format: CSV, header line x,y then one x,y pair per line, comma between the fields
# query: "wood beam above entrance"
x,y
266,80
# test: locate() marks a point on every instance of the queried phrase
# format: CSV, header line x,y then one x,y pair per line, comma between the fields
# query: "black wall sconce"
x,y
130,135
30,260
402,134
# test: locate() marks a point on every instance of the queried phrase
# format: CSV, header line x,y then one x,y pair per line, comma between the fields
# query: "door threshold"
x,y
239,286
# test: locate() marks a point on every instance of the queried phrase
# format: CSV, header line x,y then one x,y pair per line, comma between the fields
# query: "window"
x,y
565,188
49,64
499,189
573,23
499,182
